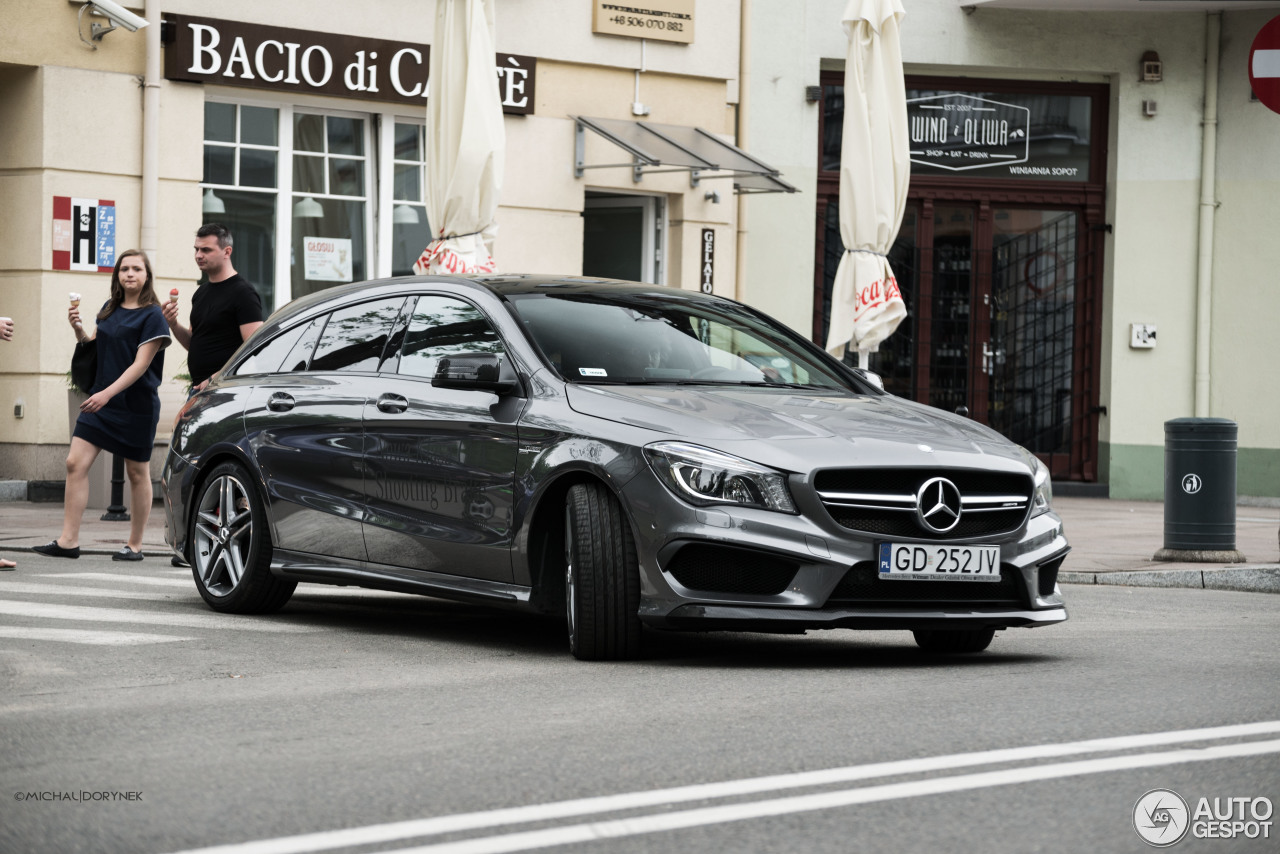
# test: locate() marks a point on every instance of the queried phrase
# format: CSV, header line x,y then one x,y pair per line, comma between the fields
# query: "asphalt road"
x,y
422,725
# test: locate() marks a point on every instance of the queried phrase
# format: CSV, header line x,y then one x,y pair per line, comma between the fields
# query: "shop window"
x,y
410,230
241,174
330,204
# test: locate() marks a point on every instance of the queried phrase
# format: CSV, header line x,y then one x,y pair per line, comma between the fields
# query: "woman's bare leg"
x,y
140,495
79,460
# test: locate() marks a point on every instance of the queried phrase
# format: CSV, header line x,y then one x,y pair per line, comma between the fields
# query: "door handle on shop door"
x,y
280,402
392,404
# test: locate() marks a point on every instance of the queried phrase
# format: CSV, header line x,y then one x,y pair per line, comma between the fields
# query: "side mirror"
x,y
475,372
870,376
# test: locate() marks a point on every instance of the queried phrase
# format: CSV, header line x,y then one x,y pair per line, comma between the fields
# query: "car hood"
x,y
727,415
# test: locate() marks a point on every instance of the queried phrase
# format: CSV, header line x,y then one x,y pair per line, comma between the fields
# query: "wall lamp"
x,y
1152,68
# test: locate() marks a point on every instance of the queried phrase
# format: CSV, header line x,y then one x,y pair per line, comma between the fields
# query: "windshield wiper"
x,y
766,384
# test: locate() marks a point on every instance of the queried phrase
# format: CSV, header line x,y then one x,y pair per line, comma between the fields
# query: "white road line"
x,y
85,636
126,579
40,610
831,800
100,592
303,589
327,840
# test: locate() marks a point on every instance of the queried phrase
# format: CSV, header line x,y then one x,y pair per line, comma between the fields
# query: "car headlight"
x,y
1042,498
702,476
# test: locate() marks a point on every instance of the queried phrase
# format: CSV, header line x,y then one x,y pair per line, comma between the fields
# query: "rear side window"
x,y
270,356
300,356
355,336
444,326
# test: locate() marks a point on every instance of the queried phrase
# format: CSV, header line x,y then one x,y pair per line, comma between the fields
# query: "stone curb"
x,y
1245,579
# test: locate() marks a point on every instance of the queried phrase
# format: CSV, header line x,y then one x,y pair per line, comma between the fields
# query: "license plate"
x,y
905,562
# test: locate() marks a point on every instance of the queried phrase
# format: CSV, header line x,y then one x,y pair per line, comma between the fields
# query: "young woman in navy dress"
x,y
123,408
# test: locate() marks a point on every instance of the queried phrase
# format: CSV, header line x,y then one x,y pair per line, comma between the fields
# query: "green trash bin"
x,y
1200,490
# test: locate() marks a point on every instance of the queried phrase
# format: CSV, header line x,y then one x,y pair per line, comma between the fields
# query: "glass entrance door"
x,y
622,237
1030,361
994,321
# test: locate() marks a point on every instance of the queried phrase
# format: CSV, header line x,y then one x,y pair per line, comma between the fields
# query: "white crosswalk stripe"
x,y
43,597
82,613
127,579
94,592
86,636
188,583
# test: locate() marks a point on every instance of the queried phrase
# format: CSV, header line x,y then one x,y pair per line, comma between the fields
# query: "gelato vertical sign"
x,y
960,132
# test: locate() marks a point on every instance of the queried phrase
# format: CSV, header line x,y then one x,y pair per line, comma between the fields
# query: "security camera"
x,y
118,15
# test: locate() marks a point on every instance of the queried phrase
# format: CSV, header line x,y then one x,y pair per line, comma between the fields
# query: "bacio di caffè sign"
x,y
233,53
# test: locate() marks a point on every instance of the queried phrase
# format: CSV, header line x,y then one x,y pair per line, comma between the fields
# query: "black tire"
x,y
229,541
602,577
954,641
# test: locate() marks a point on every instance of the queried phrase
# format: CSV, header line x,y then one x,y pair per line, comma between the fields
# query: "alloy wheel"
x,y
223,533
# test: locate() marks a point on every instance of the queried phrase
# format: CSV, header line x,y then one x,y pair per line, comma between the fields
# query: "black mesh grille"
x,y
895,521
862,585
718,569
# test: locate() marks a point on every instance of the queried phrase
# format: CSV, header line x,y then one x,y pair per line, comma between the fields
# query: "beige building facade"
x,y
247,137
323,184
1175,233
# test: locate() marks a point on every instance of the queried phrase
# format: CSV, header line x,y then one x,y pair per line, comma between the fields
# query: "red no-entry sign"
x,y
1264,64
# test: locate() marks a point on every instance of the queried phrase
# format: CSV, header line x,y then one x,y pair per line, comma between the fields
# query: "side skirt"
x,y
298,566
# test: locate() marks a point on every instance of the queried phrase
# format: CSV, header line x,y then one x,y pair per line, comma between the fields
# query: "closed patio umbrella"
x,y
875,170
465,141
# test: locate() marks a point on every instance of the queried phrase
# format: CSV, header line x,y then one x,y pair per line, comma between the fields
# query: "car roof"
x,y
502,286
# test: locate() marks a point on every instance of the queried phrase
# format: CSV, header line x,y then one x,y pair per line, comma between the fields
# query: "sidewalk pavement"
x,y
1112,542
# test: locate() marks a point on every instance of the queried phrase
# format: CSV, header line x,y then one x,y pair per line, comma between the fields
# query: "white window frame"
x,y
387,120
379,149
372,196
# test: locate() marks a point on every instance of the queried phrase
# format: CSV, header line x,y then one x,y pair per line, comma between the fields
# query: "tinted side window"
x,y
300,356
268,358
355,336
442,326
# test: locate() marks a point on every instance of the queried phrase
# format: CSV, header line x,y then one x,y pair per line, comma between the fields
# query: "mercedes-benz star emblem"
x,y
938,505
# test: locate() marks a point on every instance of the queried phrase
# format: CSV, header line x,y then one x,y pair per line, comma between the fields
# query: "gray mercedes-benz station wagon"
x,y
625,455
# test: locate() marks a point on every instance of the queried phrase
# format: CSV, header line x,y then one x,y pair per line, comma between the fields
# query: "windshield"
x,y
634,338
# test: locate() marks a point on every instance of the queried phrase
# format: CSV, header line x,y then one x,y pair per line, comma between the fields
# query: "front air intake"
x,y
723,569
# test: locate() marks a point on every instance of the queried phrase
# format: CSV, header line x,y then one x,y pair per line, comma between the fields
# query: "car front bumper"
x,y
822,554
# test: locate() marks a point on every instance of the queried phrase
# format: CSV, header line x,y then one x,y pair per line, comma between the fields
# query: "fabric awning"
x,y
657,147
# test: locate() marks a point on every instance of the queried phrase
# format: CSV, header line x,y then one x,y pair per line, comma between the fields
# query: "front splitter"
x,y
735,618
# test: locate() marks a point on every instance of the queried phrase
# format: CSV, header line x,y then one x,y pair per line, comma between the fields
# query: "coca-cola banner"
x,y
233,53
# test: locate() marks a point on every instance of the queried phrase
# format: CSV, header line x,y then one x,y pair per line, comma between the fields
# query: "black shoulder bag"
x,y
84,364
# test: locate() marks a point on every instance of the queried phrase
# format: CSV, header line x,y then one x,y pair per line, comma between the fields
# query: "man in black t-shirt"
x,y
224,312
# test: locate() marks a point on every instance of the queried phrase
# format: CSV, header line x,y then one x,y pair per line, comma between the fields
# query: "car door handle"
x,y
392,404
280,402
